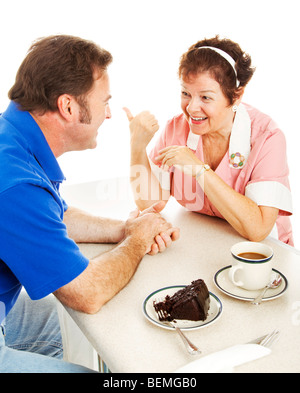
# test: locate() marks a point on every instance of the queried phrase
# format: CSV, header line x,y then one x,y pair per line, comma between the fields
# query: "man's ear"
x,y
65,105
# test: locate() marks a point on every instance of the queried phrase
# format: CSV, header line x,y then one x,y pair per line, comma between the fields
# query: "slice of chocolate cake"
x,y
191,303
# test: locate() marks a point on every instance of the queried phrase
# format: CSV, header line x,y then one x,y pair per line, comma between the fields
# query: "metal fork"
x,y
267,340
190,347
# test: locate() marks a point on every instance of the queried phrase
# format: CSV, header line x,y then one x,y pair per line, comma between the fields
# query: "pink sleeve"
x,y
271,163
269,184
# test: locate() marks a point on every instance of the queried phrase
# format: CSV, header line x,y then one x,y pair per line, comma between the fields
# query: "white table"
x,y
128,342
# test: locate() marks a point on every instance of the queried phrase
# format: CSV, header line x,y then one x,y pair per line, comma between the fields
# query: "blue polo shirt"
x,y
35,250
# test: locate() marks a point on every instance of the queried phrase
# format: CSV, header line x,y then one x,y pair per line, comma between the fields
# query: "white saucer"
x,y
214,312
225,285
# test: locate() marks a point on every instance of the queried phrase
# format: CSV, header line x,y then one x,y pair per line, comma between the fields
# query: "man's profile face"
x,y
93,110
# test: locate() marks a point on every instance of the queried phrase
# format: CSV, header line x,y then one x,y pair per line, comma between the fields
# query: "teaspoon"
x,y
273,284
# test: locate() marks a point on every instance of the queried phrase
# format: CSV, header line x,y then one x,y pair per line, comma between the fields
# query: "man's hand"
x,y
163,238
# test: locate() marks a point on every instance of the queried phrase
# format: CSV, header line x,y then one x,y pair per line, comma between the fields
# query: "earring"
x,y
234,108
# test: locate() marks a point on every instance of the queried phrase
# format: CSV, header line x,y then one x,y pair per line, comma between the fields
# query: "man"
x,y
59,100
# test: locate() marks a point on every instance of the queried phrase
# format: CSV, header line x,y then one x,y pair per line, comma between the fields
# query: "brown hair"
x,y
195,61
57,65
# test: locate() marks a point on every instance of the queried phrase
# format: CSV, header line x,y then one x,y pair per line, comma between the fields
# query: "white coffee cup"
x,y
252,267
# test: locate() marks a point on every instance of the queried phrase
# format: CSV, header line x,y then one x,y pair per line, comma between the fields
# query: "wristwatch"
x,y
204,168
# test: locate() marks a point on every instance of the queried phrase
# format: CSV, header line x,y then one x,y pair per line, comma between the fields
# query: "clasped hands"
x,y
162,239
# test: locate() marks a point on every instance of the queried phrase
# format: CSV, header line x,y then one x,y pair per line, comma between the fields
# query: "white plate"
x,y
225,285
214,311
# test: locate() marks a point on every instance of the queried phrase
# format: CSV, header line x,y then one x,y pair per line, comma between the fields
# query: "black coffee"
x,y
252,255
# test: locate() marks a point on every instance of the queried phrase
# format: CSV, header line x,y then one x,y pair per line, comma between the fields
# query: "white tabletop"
x,y
128,342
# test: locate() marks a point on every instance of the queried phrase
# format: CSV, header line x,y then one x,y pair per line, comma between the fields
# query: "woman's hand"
x,y
180,157
142,127
162,239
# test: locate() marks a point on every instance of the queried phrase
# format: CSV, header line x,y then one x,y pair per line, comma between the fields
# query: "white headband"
x,y
226,57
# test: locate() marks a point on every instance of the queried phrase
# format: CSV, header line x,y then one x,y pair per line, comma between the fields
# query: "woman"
x,y
219,157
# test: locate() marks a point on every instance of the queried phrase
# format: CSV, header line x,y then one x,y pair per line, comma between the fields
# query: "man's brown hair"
x,y
57,65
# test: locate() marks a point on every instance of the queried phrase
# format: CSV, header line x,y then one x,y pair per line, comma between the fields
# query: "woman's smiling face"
x,y
204,105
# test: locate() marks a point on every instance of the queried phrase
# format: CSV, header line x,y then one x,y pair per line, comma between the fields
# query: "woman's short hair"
x,y
57,65
195,61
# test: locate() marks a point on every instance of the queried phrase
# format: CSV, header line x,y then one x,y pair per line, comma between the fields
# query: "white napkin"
x,y
225,360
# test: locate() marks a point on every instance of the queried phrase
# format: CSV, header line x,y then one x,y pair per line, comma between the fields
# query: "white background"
x,y
146,39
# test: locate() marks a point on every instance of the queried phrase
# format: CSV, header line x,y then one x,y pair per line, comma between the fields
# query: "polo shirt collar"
x,y
240,139
36,141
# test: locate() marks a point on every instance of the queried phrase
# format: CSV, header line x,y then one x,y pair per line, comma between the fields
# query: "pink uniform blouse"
x,y
255,166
